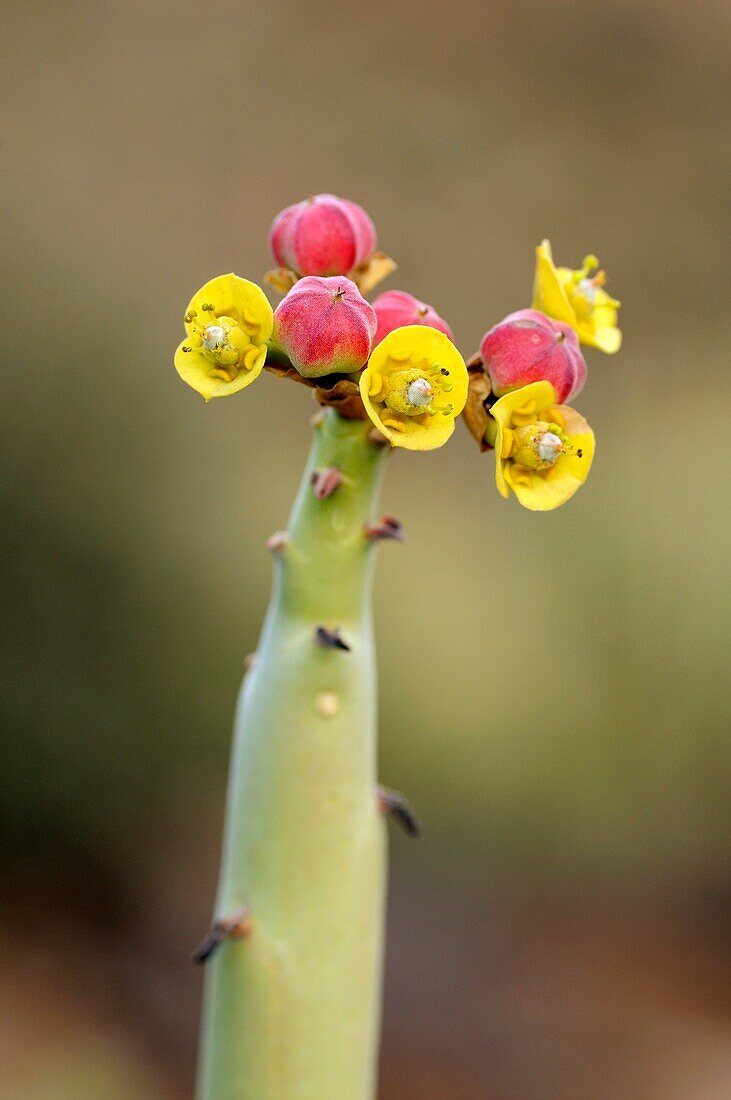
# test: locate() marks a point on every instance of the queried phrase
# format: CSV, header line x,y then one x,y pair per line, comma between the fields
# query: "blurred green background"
x,y
558,709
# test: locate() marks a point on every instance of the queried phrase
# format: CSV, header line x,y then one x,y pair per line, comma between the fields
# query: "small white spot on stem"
x,y
327,704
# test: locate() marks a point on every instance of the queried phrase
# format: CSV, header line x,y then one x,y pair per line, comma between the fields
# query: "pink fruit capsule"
x,y
323,235
395,309
530,347
325,326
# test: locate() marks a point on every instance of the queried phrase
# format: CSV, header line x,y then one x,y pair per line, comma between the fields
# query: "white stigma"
x,y
214,337
419,393
587,288
549,447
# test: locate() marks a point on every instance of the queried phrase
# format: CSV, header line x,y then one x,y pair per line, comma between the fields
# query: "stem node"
x,y
387,528
237,926
397,806
326,482
277,543
331,639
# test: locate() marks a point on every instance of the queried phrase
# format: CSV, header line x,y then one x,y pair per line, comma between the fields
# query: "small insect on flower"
x,y
577,298
228,324
543,451
414,387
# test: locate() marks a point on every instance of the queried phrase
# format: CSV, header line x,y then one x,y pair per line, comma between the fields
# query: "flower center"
x,y
419,392
536,446
409,392
549,447
584,285
224,341
588,289
214,337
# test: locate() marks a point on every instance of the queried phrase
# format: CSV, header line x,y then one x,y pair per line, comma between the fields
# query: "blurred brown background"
x,y
561,931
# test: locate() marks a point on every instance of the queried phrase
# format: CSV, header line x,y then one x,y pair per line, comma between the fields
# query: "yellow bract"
x,y
228,324
414,386
543,451
578,299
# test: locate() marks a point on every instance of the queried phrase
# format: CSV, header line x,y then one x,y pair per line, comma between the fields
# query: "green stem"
x,y
292,1010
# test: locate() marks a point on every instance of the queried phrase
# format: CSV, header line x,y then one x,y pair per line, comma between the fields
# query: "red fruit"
x,y
325,326
395,309
323,235
530,347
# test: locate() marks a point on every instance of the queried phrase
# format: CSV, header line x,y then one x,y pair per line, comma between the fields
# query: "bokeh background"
x,y
561,931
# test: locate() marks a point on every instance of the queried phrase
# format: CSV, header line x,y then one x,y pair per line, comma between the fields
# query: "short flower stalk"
x,y
294,953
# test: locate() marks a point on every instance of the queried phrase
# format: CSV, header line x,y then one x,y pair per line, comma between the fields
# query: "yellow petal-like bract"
x,y
543,451
577,298
228,324
414,386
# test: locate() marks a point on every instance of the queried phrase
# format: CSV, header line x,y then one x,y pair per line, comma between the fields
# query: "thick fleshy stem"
x,y
292,1008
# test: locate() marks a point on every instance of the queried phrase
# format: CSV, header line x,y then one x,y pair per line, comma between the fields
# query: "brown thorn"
x,y
326,482
330,639
250,660
277,542
397,807
238,926
387,528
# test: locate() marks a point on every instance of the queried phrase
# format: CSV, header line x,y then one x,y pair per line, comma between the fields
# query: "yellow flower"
x,y
414,386
578,299
543,450
228,323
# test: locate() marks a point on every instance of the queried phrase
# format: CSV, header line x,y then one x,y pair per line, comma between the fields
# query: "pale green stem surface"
x,y
292,1012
